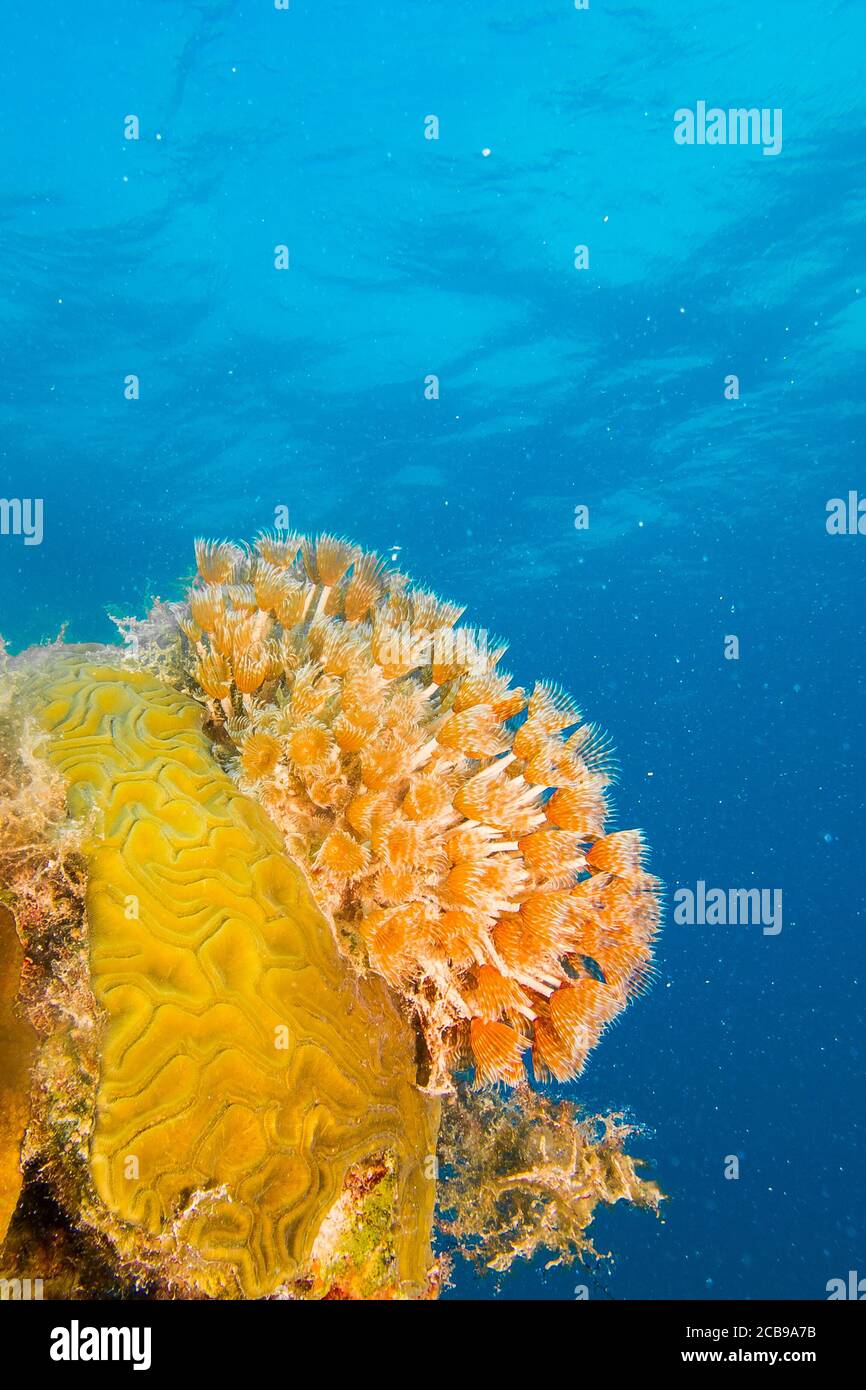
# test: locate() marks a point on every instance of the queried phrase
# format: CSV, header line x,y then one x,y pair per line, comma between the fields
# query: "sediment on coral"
x,y
524,1175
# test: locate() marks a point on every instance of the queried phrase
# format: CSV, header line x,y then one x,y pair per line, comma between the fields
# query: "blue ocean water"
x,y
558,388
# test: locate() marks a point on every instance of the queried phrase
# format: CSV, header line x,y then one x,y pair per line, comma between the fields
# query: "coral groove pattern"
x,y
245,1067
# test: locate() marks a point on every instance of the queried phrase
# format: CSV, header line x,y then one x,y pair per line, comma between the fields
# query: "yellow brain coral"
x,y
252,1091
453,826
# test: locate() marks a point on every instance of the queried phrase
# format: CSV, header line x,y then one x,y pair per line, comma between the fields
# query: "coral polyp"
x,y
454,826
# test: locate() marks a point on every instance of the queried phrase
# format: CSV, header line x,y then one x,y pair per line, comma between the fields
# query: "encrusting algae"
x,y
276,876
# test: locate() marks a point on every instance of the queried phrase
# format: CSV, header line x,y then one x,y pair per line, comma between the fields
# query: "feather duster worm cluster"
x,y
453,825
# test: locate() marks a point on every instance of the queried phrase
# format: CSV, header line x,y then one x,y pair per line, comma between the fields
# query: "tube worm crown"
x,y
453,825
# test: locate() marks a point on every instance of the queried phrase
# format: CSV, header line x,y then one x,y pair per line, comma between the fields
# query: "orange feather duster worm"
x,y
454,827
